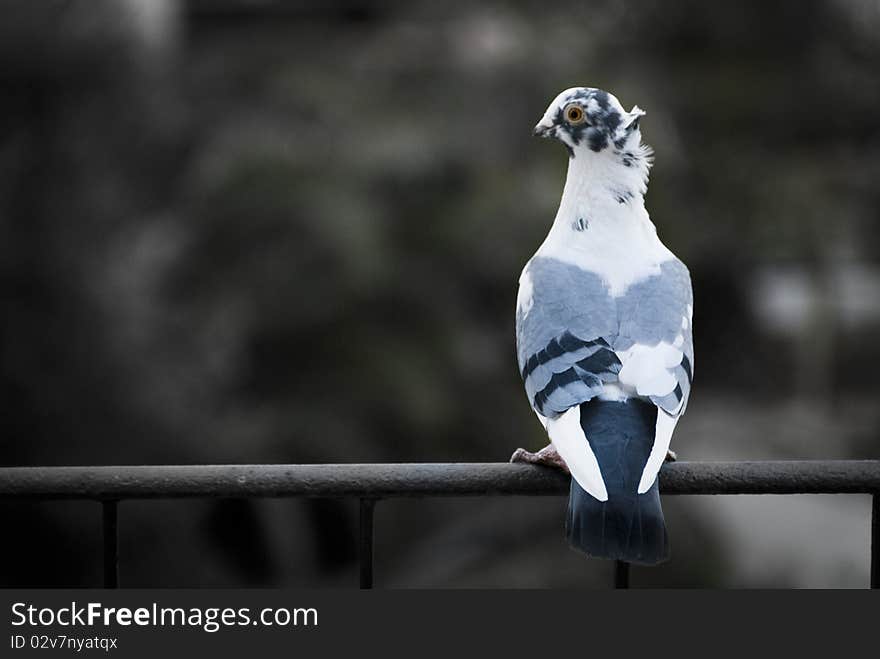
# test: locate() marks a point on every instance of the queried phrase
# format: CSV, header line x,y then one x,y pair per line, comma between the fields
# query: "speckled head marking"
x,y
588,118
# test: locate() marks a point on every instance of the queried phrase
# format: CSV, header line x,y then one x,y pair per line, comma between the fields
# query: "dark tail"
x,y
628,526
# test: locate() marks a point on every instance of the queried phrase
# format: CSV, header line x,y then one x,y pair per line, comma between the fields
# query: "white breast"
x,y
622,251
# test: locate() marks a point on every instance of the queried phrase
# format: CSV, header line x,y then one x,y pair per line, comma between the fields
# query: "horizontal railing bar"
x,y
415,480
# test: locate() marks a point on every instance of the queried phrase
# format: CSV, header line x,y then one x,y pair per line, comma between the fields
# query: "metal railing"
x,y
373,482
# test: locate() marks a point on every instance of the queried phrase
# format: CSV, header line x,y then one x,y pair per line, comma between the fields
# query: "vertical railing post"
x,y
621,574
110,524
366,543
875,540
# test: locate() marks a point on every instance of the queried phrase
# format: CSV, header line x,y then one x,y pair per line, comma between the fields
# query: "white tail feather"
x,y
662,437
568,437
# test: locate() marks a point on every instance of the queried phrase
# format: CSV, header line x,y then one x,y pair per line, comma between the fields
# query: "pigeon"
x,y
604,333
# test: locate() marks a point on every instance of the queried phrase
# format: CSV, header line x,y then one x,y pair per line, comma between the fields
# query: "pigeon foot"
x,y
547,456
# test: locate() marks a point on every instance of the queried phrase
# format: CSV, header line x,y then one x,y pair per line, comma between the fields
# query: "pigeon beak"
x,y
544,130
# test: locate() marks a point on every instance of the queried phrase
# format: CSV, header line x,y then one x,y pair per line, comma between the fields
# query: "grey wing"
x,y
565,323
657,314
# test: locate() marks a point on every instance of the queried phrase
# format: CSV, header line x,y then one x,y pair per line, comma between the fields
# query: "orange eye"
x,y
574,114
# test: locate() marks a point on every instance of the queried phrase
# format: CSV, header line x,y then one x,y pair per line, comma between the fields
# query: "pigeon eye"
x,y
574,114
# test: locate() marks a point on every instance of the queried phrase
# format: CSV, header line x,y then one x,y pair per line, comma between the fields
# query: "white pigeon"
x,y
604,336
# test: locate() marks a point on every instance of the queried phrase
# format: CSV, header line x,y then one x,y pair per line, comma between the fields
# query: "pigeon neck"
x,y
604,188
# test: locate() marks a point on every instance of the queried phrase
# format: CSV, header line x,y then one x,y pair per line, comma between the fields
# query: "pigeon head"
x,y
586,119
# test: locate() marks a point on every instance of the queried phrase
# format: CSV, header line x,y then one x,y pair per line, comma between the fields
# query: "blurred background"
x,y
270,231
